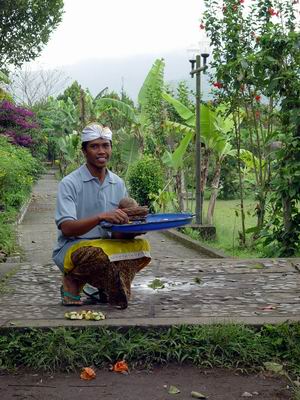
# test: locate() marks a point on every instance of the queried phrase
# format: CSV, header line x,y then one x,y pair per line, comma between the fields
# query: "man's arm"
x,y
82,226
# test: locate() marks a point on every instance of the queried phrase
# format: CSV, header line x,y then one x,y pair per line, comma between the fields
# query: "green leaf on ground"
x,y
156,284
198,395
173,390
197,280
257,266
274,367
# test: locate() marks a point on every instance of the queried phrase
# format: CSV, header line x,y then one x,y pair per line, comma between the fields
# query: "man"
x,y
84,252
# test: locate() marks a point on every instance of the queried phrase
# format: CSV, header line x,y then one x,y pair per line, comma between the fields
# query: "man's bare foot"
x,y
71,292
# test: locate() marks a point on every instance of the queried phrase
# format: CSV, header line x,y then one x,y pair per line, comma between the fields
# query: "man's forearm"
x,y
80,227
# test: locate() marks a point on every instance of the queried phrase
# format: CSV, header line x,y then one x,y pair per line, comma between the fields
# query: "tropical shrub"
x,y
145,179
18,170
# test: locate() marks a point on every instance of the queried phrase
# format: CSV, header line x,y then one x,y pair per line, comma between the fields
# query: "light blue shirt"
x,y
81,195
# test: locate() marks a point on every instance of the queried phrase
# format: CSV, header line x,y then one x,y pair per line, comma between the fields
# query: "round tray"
x,y
154,222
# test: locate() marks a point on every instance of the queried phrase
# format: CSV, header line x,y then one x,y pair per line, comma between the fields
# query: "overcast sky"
x,y
120,28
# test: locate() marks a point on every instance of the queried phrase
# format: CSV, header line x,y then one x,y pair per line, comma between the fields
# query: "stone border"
x,y
194,244
142,323
23,210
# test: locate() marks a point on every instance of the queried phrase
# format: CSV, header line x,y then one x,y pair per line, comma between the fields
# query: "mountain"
x,y
96,74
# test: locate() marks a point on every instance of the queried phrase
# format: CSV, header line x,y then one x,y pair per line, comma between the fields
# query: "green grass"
x,y
218,345
8,242
227,220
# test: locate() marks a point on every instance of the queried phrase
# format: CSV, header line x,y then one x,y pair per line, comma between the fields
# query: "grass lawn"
x,y
227,219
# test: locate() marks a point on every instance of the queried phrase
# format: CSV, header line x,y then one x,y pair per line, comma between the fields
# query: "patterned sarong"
x,y
108,264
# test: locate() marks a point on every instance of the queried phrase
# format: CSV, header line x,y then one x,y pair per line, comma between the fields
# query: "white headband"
x,y
95,131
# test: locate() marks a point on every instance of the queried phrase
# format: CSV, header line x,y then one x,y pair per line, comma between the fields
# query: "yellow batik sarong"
x,y
115,249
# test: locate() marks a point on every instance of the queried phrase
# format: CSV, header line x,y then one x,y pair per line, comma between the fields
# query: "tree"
x,y
26,26
32,87
247,67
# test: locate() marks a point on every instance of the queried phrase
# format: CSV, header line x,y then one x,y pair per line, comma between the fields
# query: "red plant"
x,y
218,85
272,12
257,98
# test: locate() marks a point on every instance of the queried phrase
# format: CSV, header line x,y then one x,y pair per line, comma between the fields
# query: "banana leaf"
x,y
155,75
184,112
106,103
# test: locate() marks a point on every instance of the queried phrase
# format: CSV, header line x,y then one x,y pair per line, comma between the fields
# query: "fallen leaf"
x,y
198,395
156,284
257,266
120,366
247,394
88,374
273,367
173,390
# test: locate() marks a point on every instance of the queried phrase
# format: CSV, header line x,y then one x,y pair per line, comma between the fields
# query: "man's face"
x,y
98,152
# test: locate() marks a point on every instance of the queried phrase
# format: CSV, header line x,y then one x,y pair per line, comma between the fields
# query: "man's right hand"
x,y
114,217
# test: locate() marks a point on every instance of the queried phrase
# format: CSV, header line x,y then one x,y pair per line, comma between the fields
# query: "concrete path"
x,y
196,290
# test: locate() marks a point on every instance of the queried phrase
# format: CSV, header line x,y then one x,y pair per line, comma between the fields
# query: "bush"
x,y
145,177
17,172
20,126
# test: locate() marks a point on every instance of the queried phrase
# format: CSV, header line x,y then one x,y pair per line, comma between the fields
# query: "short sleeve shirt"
x,y
81,195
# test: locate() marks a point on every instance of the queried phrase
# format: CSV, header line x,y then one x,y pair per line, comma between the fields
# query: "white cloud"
x,y
121,28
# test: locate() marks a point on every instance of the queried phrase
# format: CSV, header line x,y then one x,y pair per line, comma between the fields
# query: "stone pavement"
x,y
197,290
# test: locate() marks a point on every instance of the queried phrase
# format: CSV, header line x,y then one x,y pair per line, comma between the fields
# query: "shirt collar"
x,y
87,176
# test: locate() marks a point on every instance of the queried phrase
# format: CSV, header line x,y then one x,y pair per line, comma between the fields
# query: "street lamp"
x,y
196,69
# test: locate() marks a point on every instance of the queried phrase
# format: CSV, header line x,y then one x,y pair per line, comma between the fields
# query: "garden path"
x,y
197,290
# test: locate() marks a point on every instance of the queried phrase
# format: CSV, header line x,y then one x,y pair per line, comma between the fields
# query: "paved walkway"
x,y
197,290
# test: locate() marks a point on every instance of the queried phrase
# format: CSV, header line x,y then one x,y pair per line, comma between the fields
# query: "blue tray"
x,y
154,222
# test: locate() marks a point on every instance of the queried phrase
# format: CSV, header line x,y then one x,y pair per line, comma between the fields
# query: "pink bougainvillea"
x,y
16,123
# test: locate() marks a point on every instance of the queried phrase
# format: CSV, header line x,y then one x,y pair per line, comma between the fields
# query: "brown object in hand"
x,y
136,213
133,210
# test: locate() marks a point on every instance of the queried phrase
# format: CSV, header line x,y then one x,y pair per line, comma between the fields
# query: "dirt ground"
x,y
215,384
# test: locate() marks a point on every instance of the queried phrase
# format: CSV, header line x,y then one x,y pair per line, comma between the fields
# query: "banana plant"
x,y
70,154
214,129
138,117
221,150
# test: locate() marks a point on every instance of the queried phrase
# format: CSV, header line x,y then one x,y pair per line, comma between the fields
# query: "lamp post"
x,y
196,69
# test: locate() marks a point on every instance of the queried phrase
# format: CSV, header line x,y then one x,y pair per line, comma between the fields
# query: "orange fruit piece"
x,y
120,366
88,374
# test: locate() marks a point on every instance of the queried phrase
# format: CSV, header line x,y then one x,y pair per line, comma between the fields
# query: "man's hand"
x,y
114,217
